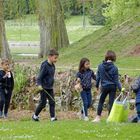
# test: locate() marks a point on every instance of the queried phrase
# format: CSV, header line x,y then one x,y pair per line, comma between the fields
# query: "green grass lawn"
x,y
27,29
67,130
24,33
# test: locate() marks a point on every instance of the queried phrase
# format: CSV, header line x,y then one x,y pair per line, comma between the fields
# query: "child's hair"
x,y
82,63
53,52
110,55
3,61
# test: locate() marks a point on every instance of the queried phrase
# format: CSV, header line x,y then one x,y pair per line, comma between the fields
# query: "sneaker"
x,y
53,119
133,119
1,114
80,115
86,118
35,118
96,120
6,116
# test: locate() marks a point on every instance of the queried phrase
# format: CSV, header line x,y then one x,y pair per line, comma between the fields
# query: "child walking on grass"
x,y
108,77
45,83
84,81
6,87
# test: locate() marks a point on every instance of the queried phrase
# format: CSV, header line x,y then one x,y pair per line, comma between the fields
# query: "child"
x,y
6,88
136,88
108,76
85,76
45,83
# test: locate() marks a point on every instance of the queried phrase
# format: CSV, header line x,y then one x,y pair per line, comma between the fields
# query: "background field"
x,y
91,42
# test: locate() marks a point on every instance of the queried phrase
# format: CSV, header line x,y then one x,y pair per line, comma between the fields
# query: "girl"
x,y
6,88
108,76
84,77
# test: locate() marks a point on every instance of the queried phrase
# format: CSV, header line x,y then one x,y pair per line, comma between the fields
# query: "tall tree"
x,y
53,33
4,47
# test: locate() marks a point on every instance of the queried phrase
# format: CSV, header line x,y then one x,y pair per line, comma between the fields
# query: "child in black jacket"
x,y
45,83
136,89
6,88
108,77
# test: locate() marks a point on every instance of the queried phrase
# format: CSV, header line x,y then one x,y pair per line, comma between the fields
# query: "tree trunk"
x,y
53,32
4,47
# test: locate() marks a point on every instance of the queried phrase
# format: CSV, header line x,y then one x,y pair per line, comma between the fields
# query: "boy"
x,y
45,82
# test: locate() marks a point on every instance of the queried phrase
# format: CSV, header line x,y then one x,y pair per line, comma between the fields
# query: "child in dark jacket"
x,y
136,89
85,76
138,104
45,83
6,88
108,77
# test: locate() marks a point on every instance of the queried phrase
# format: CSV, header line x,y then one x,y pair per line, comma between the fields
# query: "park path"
x,y
24,44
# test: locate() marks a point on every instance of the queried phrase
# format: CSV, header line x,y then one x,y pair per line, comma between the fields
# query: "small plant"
x,y
20,78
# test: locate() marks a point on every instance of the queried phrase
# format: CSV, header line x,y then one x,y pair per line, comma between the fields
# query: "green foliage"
x,y
71,7
75,7
92,8
20,78
96,16
67,4
17,8
118,11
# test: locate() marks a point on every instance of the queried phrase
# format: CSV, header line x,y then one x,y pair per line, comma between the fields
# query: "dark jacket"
x,y
86,78
138,96
108,75
46,75
6,83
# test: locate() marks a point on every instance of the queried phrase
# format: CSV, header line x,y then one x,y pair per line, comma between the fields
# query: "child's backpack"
x,y
136,85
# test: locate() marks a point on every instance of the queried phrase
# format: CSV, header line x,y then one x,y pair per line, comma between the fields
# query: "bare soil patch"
x,y
135,51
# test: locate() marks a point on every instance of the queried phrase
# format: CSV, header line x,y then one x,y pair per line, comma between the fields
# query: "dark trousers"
x,y
5,98
111,91
43,100
138,110
87,99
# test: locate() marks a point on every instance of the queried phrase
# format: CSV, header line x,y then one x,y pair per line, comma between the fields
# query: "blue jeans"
x,y
87,99
138,110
